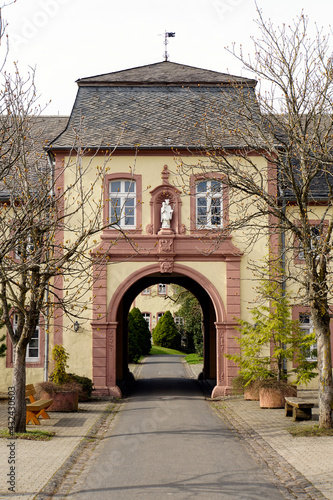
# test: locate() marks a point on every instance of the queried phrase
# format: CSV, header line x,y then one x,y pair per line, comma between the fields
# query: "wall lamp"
x,y
76,326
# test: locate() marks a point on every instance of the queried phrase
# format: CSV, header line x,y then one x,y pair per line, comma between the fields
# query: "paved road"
x,y
167,442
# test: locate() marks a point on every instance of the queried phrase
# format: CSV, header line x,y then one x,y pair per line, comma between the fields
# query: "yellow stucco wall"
x,y
79,345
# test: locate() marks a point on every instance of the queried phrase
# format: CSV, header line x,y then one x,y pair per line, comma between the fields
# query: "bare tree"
x,y
287,192
45,232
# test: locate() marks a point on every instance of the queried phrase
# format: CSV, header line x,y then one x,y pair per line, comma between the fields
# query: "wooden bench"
x,y
298,408
36,408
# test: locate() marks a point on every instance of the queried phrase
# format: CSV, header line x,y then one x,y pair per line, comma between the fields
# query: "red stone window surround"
x,y
29,364
297,247
138,205
162,289
194,179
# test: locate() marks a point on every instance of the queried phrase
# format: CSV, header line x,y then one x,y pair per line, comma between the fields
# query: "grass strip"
x,y
31,435
309,431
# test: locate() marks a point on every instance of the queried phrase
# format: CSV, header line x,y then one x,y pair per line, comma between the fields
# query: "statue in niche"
x,y
166,214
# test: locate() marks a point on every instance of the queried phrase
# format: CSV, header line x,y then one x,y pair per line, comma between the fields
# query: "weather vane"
x,y
167,34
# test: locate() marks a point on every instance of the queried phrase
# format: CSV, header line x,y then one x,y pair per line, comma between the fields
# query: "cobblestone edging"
x,y
291,483
63,479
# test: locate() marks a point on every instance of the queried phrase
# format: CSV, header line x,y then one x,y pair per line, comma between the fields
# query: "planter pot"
x,y
251,393
62,401
273,397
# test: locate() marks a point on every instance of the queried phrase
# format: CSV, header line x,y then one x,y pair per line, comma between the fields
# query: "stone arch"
x,y
110,336
177,268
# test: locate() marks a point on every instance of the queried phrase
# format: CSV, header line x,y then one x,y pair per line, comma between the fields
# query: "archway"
x,y
115,328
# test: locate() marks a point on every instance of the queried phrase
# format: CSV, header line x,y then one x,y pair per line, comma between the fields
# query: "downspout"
x,y
47,290
283,259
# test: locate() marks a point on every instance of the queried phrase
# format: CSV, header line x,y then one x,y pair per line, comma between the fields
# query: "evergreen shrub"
x,y
165,333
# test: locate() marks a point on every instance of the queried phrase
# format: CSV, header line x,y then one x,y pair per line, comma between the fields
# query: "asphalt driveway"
x,y
168,442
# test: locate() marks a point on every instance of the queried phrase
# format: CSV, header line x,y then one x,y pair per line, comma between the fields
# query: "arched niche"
x,y
158,195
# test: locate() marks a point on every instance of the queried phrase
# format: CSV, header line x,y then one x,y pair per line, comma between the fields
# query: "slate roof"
x,y
41,130
164,73
160,105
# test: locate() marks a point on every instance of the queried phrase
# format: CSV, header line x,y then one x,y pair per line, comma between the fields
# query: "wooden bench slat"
x,y
299,402
298,408
39,405
36,409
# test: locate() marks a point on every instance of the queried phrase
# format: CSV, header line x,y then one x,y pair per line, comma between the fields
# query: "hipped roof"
x,y
160,105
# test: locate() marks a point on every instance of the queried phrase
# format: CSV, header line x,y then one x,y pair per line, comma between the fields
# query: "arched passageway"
x,y
209,320
215,326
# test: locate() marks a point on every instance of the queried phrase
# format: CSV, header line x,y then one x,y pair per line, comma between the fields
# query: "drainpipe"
x,y
47,338
283,248
283,260
47,290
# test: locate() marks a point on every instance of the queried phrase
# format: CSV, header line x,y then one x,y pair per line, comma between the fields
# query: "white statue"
x,y
166,213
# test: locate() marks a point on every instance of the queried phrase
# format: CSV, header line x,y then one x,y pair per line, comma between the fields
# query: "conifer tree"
x,y
165,333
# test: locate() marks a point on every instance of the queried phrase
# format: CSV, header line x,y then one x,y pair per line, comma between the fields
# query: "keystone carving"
x,y
166,266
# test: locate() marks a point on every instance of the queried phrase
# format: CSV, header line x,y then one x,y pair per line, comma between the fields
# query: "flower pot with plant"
x,y
269,343
65,394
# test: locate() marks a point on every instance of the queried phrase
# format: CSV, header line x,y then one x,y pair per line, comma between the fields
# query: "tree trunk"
x,y
322,329
19,387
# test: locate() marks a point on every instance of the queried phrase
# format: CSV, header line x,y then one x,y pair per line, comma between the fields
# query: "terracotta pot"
x,y
251,393
62,401
273,397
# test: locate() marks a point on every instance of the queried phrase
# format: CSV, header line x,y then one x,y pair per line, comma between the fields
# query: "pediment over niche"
x,y
159,194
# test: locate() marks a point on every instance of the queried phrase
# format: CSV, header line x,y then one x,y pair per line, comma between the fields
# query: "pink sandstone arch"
x,y
177,268
105,332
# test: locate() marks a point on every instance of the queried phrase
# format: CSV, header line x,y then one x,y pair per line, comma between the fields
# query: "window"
x,y
122,194
159,316
32,354
146,291
209,204
307,327
161,289
179,320
24,247
315,237
146,316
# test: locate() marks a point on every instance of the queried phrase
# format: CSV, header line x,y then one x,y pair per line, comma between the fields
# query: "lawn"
x,y
193,359
164,350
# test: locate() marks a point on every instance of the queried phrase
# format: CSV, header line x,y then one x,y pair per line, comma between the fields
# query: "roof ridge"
x,y
164,72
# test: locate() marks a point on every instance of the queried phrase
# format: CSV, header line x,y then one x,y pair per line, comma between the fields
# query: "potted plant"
x,y
268,343
65,393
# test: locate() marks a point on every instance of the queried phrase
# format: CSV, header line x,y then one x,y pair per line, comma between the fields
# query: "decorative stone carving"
x,y
166,266
165,174
166,245
111,336
182,229
150,229
222,372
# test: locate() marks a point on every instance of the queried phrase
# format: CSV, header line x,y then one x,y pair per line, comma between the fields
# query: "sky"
x,y
65,40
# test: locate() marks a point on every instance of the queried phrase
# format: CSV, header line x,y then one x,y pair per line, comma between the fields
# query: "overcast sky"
x,y
70,39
